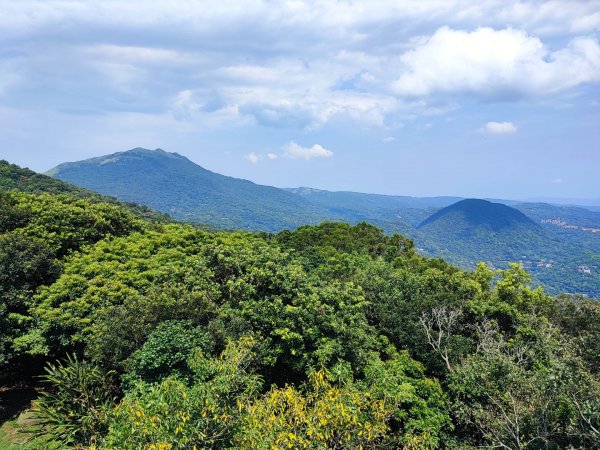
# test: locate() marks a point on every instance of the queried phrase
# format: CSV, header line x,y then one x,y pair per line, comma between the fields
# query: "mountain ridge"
x,y
16,178
172,183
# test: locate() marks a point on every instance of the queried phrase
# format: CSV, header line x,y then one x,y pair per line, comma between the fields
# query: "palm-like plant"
x,y
74,408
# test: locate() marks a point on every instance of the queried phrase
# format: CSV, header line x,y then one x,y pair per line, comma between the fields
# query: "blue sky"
x,y
449,97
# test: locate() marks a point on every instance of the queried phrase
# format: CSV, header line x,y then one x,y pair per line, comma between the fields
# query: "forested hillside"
x,y
171,183
15,178
578,225
162,336
473,230
563,256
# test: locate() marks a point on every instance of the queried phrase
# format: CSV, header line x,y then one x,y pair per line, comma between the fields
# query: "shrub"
x,y
74,409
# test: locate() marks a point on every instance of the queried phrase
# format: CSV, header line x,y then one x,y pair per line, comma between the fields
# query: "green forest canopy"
x,y
157,335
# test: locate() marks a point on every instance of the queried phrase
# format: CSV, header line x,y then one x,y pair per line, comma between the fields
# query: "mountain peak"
x,y
171,183
477,213
118,157
140,151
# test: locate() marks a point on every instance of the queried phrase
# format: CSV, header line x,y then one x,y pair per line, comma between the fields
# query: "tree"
x,y
203,414
527,392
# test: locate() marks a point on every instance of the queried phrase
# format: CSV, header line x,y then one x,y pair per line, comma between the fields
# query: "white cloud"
x,y
292,150
272,156
491,64
253,157
495,63
557,180
388,139
337,19
297,64
500,127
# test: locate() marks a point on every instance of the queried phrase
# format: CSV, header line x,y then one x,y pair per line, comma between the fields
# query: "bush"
x,y
174,415
167,351
75,407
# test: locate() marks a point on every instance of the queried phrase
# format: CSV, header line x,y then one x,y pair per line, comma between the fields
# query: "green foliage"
x,y
399,297
38,233
13,436
166,352
464,231
122,329
115,270
236,282
476,230
333,336
391,407
173,414
329,237
579,318
527,392
25,263
67,223
15,178
73,409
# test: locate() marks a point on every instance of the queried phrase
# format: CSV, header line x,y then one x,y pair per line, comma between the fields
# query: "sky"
x,y
488,98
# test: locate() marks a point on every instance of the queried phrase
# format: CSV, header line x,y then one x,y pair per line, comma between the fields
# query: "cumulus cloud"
x,y
300,64
495,63
500,127
292,150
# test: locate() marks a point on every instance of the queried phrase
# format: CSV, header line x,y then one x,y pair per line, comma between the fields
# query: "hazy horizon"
x,y
586,202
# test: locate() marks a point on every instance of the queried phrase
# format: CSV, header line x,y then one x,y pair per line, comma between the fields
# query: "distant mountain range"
x,y
556,244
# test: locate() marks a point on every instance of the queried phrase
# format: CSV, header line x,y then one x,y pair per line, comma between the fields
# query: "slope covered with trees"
x,y
163,336
15,178
563,259
473,230
171,183
479,230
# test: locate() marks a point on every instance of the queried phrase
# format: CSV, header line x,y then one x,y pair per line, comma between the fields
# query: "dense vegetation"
x,y
162,336
471,231
15,178
173,184
560,259
570,215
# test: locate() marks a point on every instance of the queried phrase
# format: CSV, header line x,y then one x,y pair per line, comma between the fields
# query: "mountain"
x,y
173,184
475,230
476,213
557,244
393,213
358,201
576,224
480,230
463,231
592,203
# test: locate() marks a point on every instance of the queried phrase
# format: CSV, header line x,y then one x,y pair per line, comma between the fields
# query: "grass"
x,y
12,437
15,416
